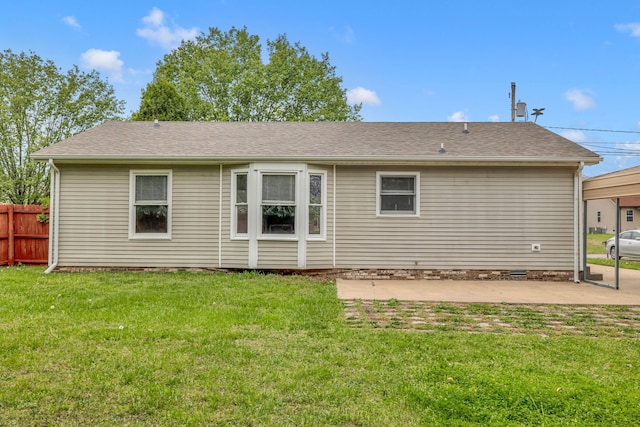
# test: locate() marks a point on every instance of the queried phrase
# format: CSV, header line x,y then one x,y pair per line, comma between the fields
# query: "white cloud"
x,y
346,36
624,162
582,99
72,22
362,95
155,18
632,28
458,116
157,32
104,60
574,135
494,118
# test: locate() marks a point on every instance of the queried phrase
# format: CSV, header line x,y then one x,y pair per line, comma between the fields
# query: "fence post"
x,y
10,230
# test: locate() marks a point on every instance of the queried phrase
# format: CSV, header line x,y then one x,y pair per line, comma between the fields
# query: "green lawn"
x,y
107,349
594,243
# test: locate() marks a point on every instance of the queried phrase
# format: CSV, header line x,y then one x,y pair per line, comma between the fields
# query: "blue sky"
x,y
404,60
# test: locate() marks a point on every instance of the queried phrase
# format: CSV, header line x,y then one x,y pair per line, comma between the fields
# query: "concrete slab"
x,y
512,291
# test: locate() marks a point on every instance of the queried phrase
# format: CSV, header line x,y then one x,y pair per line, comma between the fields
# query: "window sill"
x,y
150,236
398,215
281,238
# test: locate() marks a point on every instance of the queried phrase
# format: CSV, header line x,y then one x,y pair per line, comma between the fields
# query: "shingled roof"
x,y
318,141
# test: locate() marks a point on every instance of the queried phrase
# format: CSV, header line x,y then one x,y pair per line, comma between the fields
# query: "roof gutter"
x,y
444,160
54,211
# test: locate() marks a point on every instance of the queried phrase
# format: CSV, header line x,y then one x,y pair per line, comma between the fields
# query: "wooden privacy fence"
x,y
23,239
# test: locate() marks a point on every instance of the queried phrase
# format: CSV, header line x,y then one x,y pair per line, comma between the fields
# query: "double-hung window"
x,y
398,193
278,204
150,204
629,215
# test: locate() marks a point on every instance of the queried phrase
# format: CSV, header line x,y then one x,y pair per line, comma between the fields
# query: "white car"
x,y
629,245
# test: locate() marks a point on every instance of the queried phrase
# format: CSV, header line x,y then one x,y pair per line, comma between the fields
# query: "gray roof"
x,y
318,141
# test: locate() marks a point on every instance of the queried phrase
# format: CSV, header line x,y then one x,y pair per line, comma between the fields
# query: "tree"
x,y
221,77
161,101
40,105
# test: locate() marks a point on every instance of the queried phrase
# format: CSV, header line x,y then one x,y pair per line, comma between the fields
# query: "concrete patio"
x,y
516,291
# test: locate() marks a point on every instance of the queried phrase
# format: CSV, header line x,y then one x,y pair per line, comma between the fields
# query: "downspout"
x,y
54,214
577,206
333,215
220,220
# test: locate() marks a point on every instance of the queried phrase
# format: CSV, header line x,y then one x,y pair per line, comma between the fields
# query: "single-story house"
x,y
476,200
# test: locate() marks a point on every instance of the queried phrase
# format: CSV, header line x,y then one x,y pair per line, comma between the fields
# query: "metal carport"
x,y
609,186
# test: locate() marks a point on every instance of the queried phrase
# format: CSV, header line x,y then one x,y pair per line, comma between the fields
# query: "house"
x,y
601,213
434,200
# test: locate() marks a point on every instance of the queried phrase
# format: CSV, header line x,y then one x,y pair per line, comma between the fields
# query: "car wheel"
x,y
612,252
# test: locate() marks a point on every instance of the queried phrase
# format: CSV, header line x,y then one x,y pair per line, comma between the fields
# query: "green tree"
x,y
40,105
161,101
221,77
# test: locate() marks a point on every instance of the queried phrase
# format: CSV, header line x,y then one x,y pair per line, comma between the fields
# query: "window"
x,y
278,203
598,216
398,193
150,204
241,204
272,201
316,209
629,215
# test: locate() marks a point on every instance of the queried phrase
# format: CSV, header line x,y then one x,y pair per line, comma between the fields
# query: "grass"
x,y
594,243
183,348
623,263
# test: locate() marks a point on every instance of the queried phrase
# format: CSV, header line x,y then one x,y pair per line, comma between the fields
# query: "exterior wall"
x,y
470,218
477,218
320,252
607,209
94,219
235,253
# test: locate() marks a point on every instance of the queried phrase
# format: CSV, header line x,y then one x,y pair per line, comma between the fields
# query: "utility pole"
x,y
513,101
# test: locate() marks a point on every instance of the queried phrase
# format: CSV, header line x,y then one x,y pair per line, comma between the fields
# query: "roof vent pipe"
x,y
465,129
156,124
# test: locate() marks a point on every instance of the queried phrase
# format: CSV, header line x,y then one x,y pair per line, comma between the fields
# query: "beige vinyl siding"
x,y
470,218
235,253
277,254
94,219
320,252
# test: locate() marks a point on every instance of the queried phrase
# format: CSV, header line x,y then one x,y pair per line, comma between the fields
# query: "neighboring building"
x,y
601,215
484,200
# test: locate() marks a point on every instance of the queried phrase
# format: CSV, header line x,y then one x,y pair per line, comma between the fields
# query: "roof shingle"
x,y
357,141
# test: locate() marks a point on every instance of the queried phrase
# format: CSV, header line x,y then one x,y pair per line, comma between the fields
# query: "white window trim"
x,y
379,175
132,210
323,223
232,214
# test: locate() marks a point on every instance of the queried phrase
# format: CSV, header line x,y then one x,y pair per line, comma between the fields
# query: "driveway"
x,y
508,291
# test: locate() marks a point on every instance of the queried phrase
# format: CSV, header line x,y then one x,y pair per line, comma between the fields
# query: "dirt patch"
x,y
522,319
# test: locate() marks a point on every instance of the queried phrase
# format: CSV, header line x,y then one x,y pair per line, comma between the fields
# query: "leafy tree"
x,y
161,101
222,77
40,105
